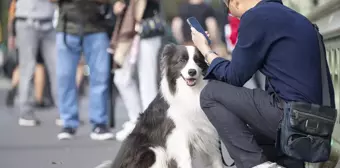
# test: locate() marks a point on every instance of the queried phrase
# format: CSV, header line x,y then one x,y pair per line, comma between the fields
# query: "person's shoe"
x,y
29,121
127,129
66,133
128,124
10,97
101,133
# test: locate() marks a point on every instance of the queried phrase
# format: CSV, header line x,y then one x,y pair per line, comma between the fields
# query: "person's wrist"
x,y
205,50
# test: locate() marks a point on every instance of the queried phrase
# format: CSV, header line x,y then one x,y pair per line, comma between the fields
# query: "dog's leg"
x,y
178,149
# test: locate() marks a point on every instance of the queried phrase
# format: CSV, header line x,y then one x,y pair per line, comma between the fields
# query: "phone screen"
x,y
193,22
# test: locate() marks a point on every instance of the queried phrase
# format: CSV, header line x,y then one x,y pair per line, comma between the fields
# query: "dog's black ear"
x,y
200,61
198,53
169,50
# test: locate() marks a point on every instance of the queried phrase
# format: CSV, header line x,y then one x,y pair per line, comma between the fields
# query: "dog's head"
x,y
182,65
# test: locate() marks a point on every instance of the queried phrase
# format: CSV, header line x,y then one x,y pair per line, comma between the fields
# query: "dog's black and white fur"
x,y
174,128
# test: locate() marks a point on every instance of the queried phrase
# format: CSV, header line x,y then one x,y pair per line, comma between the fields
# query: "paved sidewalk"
x,y
38,147
4,83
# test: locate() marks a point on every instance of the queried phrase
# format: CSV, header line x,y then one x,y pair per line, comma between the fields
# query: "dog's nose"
x,y
192,72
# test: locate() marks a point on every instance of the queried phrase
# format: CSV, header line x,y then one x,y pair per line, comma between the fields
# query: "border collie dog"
x,y
174,128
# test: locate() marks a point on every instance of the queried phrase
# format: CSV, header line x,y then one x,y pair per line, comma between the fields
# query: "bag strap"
x,y
326,98
223,161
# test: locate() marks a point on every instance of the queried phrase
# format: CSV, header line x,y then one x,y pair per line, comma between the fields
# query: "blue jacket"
x,y
283,45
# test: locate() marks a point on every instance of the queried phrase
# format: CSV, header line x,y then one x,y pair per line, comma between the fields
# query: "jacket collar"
x,y
265,1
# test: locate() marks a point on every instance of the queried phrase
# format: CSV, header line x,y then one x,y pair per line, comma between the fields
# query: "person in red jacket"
x,y
231,31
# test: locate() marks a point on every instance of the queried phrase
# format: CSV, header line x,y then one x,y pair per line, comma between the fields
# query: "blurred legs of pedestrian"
x,y
80,76
32,36
128,90
94,48
39,81
14,87
138,99
39,85
148,69
80,87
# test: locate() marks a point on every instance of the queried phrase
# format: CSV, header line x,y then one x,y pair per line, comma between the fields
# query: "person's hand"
x,y
11,42
138,27
200,41
118,7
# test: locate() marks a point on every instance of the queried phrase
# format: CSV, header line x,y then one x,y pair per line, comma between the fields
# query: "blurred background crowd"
x,y
53,51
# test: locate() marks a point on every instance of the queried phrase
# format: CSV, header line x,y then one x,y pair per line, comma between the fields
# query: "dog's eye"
x,y
182,60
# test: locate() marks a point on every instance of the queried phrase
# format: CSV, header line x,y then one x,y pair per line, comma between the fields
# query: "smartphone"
x,y
193,22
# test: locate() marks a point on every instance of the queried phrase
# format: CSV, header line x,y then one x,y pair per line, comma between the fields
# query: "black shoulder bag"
x,y
151,27
306,129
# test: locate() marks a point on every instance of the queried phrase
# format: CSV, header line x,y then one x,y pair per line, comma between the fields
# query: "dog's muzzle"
x,y
190,81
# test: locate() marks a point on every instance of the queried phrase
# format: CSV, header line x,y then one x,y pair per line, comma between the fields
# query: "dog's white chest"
x,y
194,126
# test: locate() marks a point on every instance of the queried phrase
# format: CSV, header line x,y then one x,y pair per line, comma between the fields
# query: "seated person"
x,y
284,46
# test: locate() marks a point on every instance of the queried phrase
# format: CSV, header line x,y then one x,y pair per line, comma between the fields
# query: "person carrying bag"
x,y
288,54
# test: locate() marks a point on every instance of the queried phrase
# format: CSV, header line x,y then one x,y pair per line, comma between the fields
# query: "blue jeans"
x,y
94,50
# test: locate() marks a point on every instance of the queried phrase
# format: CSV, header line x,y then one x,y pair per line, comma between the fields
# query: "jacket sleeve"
x,y
248,54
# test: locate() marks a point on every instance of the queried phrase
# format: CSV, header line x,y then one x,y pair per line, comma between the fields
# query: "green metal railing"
x,y
333,57
327,18
332,44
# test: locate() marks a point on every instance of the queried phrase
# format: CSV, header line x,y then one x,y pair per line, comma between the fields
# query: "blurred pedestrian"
x,y
81,29
34,31
231,31
40,82
206,16
12,71
80,69
137,51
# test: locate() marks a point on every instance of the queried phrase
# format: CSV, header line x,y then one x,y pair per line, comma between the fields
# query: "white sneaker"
x,y
127,129
268,165
66,133
127,124
28,122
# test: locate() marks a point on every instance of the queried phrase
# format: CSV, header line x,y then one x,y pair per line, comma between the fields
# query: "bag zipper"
x,y
315,116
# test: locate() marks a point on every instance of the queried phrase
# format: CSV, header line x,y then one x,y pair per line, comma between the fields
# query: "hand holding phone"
x,y
193,22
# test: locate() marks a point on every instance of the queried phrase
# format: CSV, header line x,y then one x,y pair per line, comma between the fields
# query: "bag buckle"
x,y
309,125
